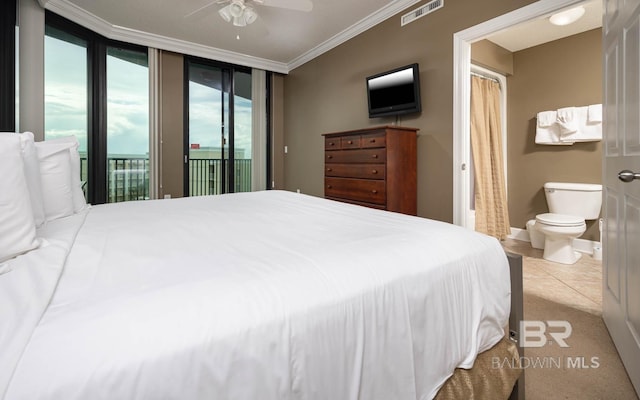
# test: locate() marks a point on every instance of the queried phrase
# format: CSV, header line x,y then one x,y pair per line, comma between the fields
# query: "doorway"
x,y
528,100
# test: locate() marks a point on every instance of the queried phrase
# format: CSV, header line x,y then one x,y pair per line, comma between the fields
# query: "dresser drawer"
x,y
331,143
364,171
369,191
360,156
350,142
373,140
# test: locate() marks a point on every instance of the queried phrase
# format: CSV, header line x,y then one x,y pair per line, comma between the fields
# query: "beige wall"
x,y
491,56
328,94
566,72
171,124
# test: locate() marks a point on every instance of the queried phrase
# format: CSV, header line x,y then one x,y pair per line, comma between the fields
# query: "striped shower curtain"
x,y
492,214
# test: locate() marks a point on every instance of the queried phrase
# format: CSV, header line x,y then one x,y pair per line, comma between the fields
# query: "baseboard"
x,y
581,245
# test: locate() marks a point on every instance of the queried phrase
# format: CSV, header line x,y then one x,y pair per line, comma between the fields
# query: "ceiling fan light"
x,y
250,15
225,14
236,8
567,17
239,21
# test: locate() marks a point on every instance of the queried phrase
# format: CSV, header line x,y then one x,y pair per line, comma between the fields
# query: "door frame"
x,y
462,90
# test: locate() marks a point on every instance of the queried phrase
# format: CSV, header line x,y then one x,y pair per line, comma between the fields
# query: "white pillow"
x,y
79,202
55,173
32,174
17,227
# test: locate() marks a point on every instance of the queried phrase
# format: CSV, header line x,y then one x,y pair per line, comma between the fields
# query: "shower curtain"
x,y
492,214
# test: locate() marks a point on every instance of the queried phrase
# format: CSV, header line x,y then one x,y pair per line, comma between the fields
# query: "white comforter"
x,y
269,295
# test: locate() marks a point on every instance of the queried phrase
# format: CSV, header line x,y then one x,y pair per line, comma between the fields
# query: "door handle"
x,y
627,176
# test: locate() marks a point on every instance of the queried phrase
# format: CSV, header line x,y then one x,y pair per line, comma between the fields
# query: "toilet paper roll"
x,y
597,253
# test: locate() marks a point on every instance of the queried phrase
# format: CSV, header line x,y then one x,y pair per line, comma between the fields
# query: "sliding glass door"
x,y
218,129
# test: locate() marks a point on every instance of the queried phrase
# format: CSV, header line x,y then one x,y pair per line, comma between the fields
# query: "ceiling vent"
x,y
421,11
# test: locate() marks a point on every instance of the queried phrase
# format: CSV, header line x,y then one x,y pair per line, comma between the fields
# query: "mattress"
x,y
270,295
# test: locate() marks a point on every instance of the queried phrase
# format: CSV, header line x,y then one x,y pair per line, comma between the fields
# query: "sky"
x,y
127,103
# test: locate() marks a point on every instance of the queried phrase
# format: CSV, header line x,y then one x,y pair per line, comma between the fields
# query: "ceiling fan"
x,y
242,12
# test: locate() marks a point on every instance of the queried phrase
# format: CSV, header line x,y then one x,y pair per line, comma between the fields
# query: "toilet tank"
x,y
579,199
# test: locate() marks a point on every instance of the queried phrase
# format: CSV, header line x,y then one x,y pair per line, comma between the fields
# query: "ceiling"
x,y
280,39
540,30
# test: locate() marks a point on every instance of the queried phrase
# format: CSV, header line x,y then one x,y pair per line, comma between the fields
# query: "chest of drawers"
x,y
374,167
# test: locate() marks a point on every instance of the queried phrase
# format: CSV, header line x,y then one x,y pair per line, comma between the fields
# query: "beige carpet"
x,y
553,372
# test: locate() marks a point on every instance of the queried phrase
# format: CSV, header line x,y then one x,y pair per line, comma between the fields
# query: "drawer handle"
x,y
332,144
329,157
375,171
329,169
372,141
375,156
374,191
350,141
328,186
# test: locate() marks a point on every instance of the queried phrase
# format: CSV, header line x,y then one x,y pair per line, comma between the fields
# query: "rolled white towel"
x,y
594,113
547,118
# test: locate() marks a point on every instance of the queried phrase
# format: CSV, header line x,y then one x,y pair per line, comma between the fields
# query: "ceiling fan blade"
x,y
204,7
298,5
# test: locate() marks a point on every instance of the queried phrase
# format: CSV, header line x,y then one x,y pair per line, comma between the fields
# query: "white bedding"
x,y
267,295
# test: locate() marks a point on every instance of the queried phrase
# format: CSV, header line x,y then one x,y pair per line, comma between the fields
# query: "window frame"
x,y
8,23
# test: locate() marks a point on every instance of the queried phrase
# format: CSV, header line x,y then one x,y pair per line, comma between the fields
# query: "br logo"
x,y
534,333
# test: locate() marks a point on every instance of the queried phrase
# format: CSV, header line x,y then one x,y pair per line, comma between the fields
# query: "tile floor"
x,y
578,285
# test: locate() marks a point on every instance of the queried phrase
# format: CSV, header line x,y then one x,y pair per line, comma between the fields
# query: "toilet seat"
x,y
559,219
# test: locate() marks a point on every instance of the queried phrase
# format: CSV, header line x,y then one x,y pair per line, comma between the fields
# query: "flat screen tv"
x,y
394,92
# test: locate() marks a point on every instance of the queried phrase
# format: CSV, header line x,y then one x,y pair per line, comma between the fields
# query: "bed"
x,y
269,295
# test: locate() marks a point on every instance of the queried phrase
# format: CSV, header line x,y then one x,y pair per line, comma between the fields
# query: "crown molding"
x,y
115,32
359,27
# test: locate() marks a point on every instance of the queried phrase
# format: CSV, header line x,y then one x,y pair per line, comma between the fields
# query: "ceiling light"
x,y
567,17
238,13
250,15
239,21
225,13
236,8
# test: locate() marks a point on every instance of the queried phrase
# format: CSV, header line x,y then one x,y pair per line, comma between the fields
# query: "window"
x,y
127,125
66,109
98,90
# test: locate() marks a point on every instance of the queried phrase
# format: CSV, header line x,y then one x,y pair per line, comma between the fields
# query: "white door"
x,y
621,265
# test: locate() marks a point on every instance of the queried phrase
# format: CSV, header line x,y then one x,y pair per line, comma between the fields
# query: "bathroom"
x,y
561,73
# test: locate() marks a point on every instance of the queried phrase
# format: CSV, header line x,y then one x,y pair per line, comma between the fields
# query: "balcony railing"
x,y
128,178
205,176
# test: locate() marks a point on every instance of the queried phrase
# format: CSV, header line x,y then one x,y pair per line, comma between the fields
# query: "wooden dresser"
x,y
374,167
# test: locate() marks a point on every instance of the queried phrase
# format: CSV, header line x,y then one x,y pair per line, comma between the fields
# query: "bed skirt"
x,y
493,375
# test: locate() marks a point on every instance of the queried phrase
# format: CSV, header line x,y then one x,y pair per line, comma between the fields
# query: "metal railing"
x,y
205,176
128,178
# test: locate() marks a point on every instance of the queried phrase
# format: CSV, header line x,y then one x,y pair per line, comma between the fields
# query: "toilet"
x,y
570,204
